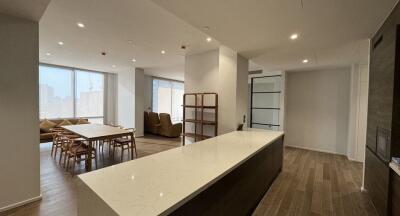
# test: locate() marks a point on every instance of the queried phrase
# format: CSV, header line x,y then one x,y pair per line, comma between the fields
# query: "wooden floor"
x,y
314,183
311,183
58,187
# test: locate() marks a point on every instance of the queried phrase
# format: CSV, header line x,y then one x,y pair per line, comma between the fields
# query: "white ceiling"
x,y
332,32
109,25
32,9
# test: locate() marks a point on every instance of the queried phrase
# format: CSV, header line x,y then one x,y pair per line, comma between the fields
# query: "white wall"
x,y
358,112
225,72
126,99
147,106
19,112
317,109
201,72
227,82
242,90
139,101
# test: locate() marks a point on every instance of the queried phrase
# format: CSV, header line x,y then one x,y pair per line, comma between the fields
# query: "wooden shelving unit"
x,y
198,119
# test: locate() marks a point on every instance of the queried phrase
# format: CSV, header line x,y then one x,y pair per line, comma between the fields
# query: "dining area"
x,y
86,144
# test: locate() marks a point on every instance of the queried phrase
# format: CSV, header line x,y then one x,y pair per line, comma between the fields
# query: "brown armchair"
x,y
167,128
146,122
153,123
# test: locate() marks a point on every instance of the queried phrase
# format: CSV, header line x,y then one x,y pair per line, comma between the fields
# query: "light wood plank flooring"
x,y
311,183
315,183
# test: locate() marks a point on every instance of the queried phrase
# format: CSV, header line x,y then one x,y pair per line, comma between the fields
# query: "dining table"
x,y
97,132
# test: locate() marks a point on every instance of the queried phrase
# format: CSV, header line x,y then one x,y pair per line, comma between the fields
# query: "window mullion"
x,y
74,91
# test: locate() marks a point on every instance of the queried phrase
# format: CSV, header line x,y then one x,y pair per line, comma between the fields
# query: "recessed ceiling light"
x,y
294,36
162,51
209,39
134,60
80,25
48,54
305,61
61,43
114,66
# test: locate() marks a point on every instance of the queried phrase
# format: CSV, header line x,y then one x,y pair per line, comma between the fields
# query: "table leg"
x,y
89,161
132,144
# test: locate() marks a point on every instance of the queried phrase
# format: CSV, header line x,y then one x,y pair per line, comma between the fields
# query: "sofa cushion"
x,y
46,125
82,121
46,136
64,123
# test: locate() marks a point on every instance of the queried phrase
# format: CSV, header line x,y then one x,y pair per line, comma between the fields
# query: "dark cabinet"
x,y
383,113
377,182
395,193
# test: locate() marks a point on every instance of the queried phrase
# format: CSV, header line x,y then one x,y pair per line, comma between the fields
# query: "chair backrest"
x,y
153,118
153,123
165,120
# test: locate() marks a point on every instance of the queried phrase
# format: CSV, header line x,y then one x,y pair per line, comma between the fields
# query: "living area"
x,y
169,107
96,105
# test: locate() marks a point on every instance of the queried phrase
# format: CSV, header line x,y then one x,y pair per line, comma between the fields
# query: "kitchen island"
x,y
228,174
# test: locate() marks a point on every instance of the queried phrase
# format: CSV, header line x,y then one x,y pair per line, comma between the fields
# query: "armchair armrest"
x,y
176,130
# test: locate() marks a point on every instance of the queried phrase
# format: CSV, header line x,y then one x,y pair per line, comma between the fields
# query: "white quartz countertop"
x,y
160,183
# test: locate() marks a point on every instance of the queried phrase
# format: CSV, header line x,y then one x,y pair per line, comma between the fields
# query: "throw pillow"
x,y
46,125
82,121
64,123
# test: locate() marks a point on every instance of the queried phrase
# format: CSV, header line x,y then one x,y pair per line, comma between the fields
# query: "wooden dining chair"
x,y
57,144
78,151
110,142
58,134
126,143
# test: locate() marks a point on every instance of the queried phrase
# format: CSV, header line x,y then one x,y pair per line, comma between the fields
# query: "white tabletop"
x,y
92,131
160,183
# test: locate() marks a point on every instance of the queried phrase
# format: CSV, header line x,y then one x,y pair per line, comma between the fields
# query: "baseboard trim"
x,y
355,160
18,204
314,149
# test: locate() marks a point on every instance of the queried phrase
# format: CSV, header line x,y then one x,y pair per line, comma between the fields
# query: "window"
x,y
168,98
89,94
71,93
56,92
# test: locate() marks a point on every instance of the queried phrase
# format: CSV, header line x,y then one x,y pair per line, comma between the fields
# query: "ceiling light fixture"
x,y
162,51
80,25
305,61
48,54
60,43
294,36
134,60
114,66
209,39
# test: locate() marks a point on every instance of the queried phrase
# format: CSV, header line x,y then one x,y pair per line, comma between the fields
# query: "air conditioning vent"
x,y
255,72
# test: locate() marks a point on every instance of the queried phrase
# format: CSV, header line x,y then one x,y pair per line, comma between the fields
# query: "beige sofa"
x,y
46,136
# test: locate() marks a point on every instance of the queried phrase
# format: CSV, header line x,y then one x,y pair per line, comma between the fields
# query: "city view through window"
x,y
71,93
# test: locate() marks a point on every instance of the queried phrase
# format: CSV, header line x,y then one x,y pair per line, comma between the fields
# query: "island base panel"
x,y
240,191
